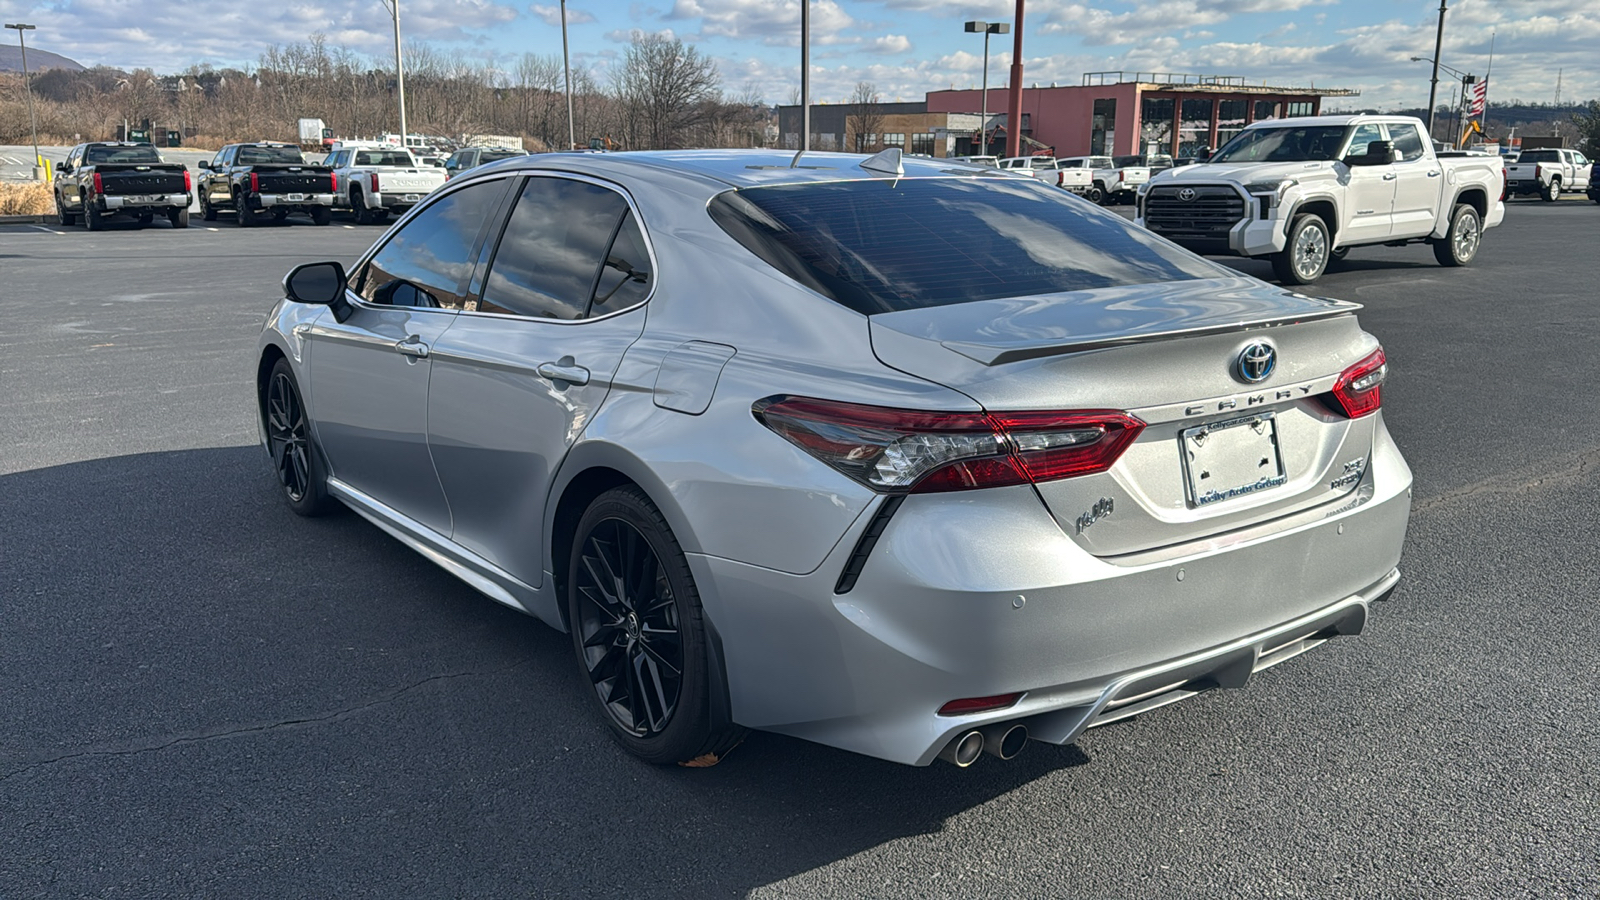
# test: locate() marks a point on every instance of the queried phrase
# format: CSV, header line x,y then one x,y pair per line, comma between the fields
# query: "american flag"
x,y
1480,97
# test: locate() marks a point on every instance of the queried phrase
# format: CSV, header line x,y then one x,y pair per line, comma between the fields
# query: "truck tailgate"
x,y
294,180
116,180
409,181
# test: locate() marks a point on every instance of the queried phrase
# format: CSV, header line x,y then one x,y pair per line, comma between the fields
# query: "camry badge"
x,y
1256,362
1186,194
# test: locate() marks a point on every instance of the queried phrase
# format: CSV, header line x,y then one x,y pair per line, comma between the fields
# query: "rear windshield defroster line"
x,y
884,246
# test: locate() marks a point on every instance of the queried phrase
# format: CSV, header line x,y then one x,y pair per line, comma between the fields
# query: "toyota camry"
x,y
902,456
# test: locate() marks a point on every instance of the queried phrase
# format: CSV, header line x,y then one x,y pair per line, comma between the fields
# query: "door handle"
x,y
564,371
1434,174
413,346
1390,177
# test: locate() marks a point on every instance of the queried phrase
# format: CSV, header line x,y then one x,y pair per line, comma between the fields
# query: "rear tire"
x,y
639,634
1305,254
358,205
294,455
1094,195
321,215
1460,244
92,218
247,216
179,217
1552,191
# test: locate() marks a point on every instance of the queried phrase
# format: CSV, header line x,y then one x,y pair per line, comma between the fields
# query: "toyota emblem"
x,y
1256,362
1186,194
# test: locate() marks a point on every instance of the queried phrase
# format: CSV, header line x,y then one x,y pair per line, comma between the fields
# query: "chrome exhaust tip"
x,y
1005,739
964,749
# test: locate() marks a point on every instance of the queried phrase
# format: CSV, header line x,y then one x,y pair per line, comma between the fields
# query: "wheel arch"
x,y
1323,208
1475,197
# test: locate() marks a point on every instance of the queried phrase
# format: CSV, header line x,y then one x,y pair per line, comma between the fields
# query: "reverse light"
x,y
925,451
972,705
1359,390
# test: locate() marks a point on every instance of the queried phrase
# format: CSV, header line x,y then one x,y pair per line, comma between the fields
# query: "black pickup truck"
x,y
105,179
265,179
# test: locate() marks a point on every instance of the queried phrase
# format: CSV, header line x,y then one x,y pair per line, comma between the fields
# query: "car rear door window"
x,y
426,262
625,278
551,252
1407,142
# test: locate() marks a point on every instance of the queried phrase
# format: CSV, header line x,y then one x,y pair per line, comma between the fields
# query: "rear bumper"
x,y
292,201
143,202
983,594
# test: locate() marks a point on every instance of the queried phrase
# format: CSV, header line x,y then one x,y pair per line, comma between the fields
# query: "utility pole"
x,y
1433,89
566,63
1014,117
805,81
399,67
27,87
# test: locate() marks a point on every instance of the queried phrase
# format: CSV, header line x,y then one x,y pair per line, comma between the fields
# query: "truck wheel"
x,y
1552,193
247,216
92,219
358,206
207,211
1460,243
179,217
62,215
1305,254
321,215
1094,194
1105,198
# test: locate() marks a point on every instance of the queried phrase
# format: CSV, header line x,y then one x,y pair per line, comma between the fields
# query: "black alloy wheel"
x,y
294,458
247,216
639,633
65,218
207,211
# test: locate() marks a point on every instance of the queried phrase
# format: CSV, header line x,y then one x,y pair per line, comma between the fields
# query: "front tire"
x,y
1552,191
639,635
207,211
65,218
294,456
1305,254
1460,243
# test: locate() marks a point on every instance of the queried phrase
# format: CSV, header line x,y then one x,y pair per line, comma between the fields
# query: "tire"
x,y
638,627
247,217
1338,255
294,455
1460,244
1094,195
92,218
179,217
358,205
1552,191
1305,253
321,215
62,216
1104,198
207,211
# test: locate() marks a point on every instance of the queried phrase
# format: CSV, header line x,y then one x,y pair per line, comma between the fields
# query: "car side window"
x,y
625,278
1407,142
426,262
551,252
1364,135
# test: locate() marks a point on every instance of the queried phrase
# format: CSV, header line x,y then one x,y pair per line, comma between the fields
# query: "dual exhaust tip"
x,y
1005,740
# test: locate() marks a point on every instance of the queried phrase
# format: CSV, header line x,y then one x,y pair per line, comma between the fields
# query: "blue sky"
x,y
904,47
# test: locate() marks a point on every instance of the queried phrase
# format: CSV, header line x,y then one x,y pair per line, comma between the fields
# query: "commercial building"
x,y
1115,113
868,128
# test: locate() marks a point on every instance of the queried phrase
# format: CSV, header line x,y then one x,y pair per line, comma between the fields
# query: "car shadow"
x,y
195,677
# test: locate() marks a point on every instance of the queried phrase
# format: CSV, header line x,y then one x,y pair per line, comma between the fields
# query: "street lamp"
x,y
1465,77
987,28
393,6
27,88
1438,49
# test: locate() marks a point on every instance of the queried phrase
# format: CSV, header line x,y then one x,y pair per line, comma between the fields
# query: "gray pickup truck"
x,y
104,179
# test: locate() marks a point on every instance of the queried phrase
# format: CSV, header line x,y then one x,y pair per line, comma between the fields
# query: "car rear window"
x,y
251,156
384,158
141,154
490,156
885,246
1539,156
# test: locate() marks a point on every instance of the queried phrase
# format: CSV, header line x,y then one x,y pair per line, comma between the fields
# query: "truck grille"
x,y
1210,214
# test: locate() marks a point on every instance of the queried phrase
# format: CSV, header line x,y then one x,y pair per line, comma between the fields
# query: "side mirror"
x,y
203,164
320,283
65,168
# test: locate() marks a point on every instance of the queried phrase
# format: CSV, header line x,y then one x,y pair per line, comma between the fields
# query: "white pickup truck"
x,y
1303,191
1111,180
1077,180
376,181
1548,173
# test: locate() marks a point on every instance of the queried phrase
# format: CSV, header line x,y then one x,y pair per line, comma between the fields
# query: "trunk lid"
x,y
1167,354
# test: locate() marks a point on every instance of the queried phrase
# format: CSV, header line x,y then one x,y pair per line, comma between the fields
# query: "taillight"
x,y
374,176
924,451
187,184
99,187
970,705
255,183
1359,390
334,186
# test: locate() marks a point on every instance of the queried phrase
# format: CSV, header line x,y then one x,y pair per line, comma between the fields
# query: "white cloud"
x,y
891,43
773,22
628,36
552,15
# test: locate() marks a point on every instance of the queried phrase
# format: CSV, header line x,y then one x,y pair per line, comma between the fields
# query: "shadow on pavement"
x,y
207,695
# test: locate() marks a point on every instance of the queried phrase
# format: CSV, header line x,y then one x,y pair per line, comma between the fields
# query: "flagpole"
x,y
1483,117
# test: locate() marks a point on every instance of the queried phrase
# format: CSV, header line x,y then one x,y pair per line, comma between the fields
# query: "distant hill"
x,y
38,60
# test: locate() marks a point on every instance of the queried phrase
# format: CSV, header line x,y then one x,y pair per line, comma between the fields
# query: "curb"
x,y
24,220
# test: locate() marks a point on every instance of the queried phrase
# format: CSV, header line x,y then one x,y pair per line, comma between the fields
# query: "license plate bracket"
x,y
411,198
1226,460
297,197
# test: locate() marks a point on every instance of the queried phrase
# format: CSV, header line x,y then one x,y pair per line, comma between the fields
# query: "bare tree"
x,y
667,89
864,119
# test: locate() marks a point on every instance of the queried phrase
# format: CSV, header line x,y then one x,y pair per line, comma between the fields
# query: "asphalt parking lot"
x,y
203,695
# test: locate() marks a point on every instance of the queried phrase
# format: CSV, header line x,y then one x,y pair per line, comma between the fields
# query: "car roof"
x,y
742,168
1299,121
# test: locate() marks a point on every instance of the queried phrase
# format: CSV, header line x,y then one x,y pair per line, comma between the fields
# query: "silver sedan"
x,y
904,457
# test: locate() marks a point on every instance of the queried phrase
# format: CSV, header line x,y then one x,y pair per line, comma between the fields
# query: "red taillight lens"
x,y
99,187
922,451
333,185
188,185
255,183
972,705
1359,390
374,176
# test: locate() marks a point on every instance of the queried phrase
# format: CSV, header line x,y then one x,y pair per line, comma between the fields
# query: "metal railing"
x,y
1119,77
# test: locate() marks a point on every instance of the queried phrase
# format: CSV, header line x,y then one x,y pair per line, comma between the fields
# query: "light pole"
x,y
987,28
805,82
399,67
27,88
1465,77
566,64
1433,87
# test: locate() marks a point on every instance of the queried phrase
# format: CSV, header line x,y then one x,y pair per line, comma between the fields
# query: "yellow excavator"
x,y
1473,128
